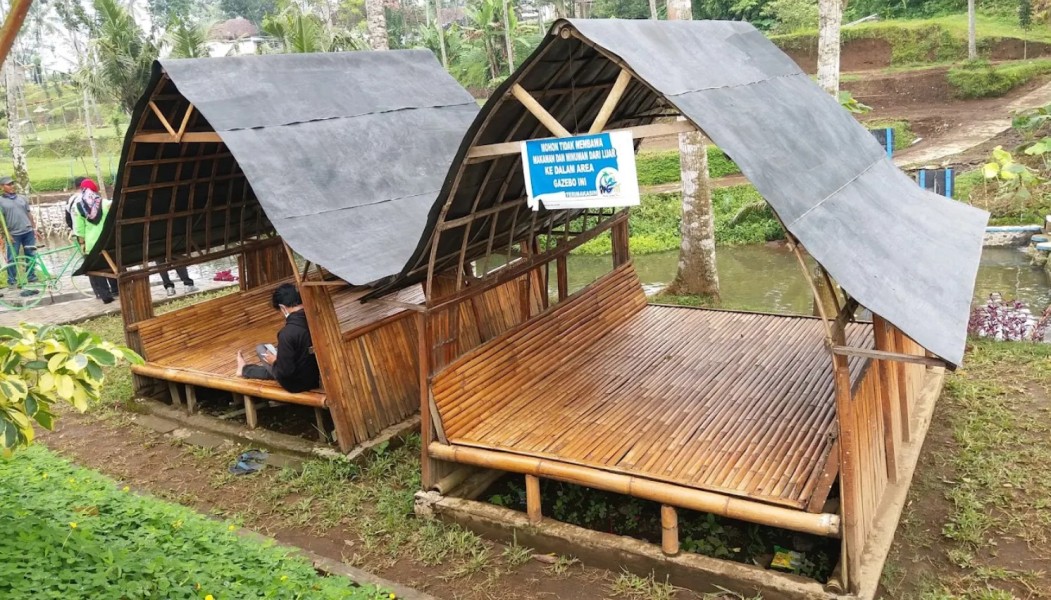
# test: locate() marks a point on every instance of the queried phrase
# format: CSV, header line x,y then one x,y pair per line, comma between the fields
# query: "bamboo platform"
x,y
734,403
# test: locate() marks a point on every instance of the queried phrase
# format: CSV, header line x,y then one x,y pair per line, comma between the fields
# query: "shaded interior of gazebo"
x,y
757,417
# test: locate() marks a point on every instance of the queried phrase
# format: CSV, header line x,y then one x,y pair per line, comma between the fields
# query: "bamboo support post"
x,y
322,428
191,399
827,525
251,414
669,530
533,499
452,480
173,390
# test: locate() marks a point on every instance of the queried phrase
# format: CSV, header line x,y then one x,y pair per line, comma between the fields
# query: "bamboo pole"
x,y
669,530
735,508
533,499
538,111
611,101
12,25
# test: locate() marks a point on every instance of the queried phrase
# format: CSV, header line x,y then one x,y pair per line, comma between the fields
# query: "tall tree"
x,y
299,31
187,40
830,18
376,18
253,10
122,55
972,34
696,273
653,10
13,83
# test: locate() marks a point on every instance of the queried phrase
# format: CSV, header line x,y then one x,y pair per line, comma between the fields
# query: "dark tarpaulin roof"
x,y
908,255
345,152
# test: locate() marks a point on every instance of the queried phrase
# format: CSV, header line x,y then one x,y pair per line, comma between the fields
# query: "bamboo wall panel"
x,y
728,402
869,450
136,307
263,265
463,326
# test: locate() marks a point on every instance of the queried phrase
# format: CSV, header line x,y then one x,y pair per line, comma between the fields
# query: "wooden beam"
x,y
185,122
251,414
164,120
533,499
883,355
12,25
189,137
191,399
538,111
109,261
489,151
610,104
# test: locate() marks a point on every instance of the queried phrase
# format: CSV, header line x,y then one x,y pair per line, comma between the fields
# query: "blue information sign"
x,y
584,171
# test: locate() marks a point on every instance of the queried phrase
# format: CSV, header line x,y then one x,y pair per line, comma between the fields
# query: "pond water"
x,y
767,277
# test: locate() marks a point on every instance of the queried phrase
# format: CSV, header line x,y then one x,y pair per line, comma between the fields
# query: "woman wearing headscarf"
x,y
88,218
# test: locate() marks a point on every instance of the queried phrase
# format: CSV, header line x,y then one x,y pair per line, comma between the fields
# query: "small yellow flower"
x,y
209,597
392,595
231,528
125,489
284,578
72,524
44,476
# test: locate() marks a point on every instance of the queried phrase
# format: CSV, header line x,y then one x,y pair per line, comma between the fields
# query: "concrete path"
x,y
82,309
962,139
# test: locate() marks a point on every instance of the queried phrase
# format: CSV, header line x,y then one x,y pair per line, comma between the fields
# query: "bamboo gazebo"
x,y
757,417
313,168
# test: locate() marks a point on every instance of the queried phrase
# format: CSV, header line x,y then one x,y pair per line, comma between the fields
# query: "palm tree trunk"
x,y
507,39
14,129
830,17
972,34
90,127
441,32
696,272
377,24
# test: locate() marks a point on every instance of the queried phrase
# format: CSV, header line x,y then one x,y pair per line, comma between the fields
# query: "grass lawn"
x,y
72,533
56,174
978,520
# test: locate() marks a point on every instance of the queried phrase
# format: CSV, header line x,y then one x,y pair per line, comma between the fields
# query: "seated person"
x,y
294,365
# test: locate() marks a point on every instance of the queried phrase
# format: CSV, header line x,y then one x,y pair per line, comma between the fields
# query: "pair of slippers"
x,y
250,462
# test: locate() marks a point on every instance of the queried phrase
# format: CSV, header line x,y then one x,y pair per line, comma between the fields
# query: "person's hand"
x,y
270,359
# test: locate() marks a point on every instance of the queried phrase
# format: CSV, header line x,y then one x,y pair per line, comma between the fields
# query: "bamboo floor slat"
x,y
735,403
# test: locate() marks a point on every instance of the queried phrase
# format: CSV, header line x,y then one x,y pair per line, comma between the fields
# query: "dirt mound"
x,y
855,55
914,88
1016,49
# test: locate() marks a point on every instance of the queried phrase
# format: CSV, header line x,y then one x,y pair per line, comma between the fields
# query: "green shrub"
x,y
72,533
653,226
979,79
657,168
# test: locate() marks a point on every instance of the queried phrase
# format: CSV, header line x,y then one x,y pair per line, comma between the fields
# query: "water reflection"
x,y
767,277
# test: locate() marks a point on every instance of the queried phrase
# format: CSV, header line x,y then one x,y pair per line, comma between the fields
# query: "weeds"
x,y
631,586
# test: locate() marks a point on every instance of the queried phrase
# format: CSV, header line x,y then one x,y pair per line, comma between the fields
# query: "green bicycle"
x,y
33,278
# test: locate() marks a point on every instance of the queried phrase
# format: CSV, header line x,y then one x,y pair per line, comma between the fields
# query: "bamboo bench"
x,y
197,346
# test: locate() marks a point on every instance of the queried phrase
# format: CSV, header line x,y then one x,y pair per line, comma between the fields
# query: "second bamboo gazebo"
x,y
313,168
758,417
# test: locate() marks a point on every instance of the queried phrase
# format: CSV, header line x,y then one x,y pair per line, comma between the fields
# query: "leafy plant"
x,y
44,365
1014,178
1002,320
1033,122
71,533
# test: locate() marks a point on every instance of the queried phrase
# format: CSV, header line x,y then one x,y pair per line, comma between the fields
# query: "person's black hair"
x,y
286,294
77,181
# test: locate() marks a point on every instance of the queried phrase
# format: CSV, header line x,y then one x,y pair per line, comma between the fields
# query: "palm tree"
x,y
830,17
377,24
301,32
187,40
696,273
121,57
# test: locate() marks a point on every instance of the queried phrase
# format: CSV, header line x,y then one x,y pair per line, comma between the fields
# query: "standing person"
x,y
169,287
19,226
71,204
88,219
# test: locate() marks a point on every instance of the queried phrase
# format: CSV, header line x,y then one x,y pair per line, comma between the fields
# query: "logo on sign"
x,y
608,184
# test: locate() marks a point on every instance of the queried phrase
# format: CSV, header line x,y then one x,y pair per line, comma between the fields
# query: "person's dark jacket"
x,y
296,366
